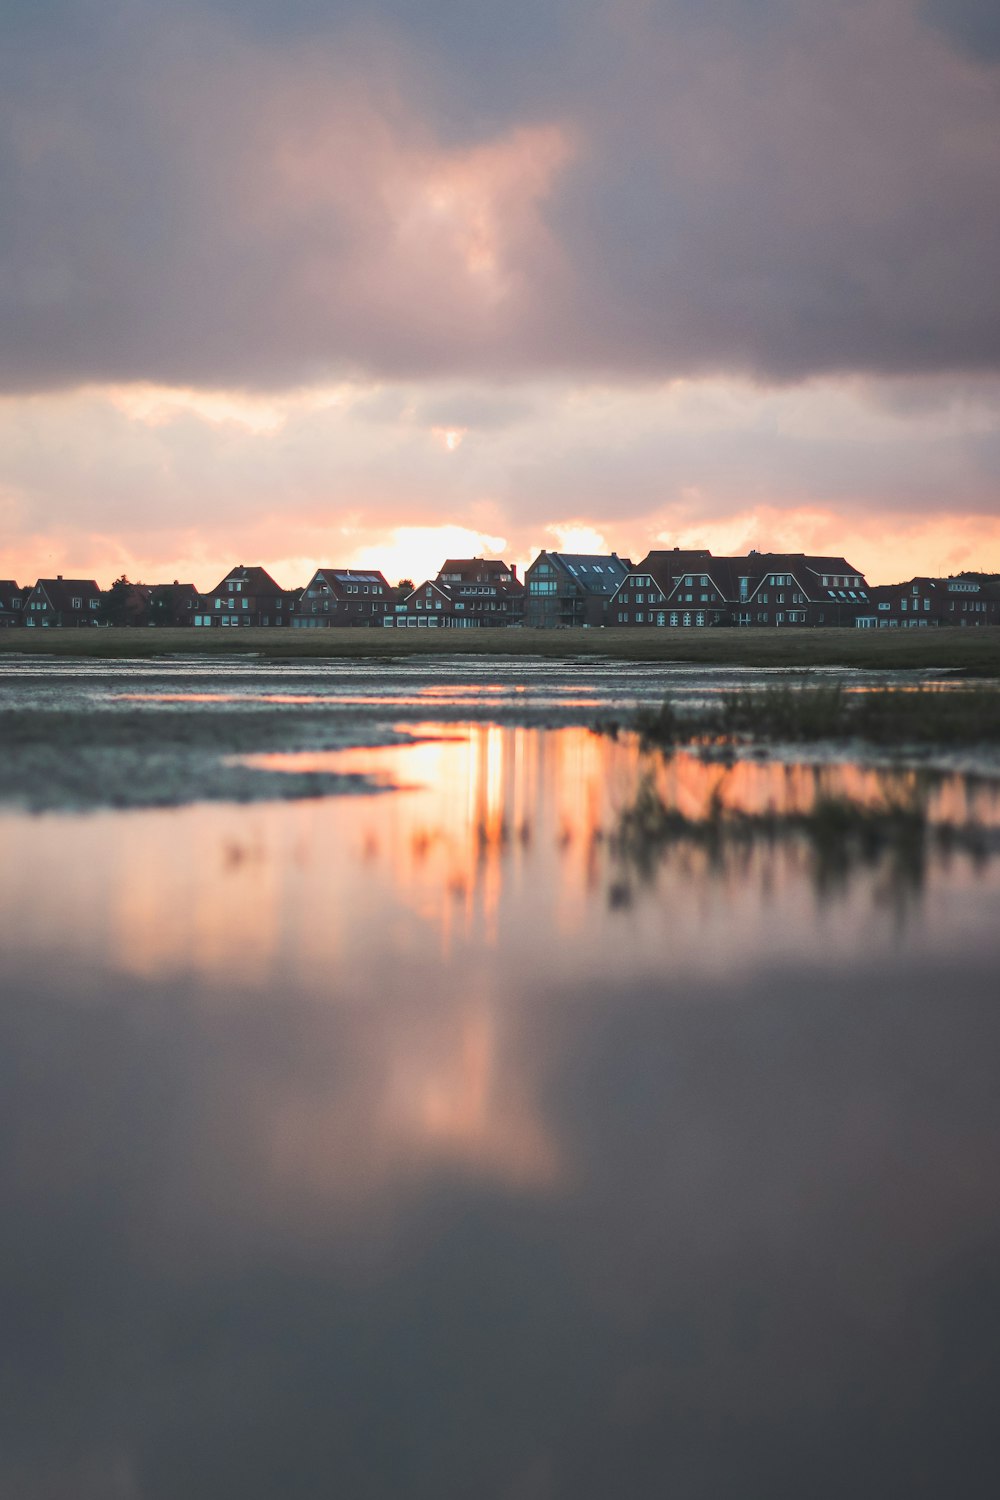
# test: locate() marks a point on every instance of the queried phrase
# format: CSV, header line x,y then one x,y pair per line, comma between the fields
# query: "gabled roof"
x,y
256,581
430,583
474,564
598,573
62,591
809,572
787,562
349,575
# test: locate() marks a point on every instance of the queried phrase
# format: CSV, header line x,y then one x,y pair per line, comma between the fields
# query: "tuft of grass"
x,y
883,716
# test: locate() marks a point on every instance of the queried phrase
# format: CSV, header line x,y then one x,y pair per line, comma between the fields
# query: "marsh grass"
x,y
881,716
971,652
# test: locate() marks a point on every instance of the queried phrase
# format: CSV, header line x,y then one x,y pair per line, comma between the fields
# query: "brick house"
x,y
763,588
796,588
172,604
11,600
61,602
344,596
246,596
468,592
685,588
969,599
430,606
571,588
485,590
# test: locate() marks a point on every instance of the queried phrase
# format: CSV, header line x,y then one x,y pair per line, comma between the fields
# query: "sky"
x,y
331,282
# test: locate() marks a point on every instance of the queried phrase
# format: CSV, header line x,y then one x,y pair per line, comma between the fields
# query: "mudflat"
x,y
975,652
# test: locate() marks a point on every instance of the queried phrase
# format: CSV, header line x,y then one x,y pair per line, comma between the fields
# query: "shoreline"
x,y
972,652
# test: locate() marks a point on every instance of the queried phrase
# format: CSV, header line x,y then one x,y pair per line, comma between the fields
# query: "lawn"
x,y
976,652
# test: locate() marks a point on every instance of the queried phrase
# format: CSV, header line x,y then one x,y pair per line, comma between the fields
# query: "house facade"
x,y
246,596
568,588
344,596
783,589
970,599
60,602
675,588
485,590
172,604
11,600
468,593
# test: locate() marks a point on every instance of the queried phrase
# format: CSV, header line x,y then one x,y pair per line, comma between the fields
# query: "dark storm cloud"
x,y
263,195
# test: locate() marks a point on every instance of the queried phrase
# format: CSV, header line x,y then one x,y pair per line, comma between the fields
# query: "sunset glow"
x,y
392,308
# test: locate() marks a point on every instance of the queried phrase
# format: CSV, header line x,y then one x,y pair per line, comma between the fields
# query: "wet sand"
x,y
78,734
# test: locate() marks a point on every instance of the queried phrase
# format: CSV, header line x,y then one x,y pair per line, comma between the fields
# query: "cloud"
x,y
173,483
256,196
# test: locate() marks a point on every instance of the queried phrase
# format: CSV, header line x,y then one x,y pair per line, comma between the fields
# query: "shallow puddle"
x,y
428,1143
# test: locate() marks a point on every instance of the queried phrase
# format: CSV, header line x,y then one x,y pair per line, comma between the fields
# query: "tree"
x,y
124,603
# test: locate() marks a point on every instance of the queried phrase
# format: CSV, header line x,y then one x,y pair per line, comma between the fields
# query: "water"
x,y
442,1141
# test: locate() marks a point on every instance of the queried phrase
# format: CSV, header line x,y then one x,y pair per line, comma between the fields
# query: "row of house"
x,y
671,588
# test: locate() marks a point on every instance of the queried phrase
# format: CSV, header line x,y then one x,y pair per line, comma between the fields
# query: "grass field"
x,y
975,652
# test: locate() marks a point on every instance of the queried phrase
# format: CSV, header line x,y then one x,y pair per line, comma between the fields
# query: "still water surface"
x,y
430,1143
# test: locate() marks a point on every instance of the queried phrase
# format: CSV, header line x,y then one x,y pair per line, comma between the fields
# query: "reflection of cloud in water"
x,y
359,1137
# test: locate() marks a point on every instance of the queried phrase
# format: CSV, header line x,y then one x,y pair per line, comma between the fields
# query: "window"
x,y
76,603
542,586
639,617
246,604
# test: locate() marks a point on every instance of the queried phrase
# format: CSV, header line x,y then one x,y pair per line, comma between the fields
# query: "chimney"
x,y
59,578
513,571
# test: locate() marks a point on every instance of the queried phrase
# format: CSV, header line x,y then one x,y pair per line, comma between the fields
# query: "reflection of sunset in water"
x,y
428,1099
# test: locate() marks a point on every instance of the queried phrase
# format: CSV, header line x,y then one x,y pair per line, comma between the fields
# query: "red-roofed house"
x,y
62,601
246,596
